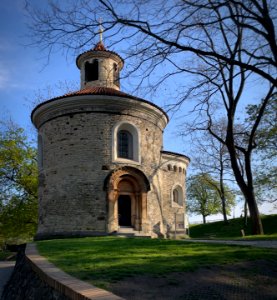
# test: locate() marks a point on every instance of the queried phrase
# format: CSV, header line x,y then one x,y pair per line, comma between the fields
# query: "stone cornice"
x,y
98,55
98,104
172,156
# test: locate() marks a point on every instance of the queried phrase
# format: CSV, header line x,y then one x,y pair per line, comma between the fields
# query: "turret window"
x,y
115,74
125,144
91,71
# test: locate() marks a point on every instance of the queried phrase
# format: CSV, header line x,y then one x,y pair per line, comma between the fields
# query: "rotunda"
x,y
102,169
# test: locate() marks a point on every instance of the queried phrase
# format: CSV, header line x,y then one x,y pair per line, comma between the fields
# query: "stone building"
x,y
102,169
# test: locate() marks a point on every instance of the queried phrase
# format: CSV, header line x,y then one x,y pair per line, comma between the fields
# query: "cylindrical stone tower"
x,y
101,165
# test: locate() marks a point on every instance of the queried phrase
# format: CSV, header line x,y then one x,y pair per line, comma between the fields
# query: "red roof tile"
x,y
99,47
101,91
98,91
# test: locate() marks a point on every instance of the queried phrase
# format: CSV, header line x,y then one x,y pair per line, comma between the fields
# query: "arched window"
x,y
169,167
115,74
125,144
177,195
91,71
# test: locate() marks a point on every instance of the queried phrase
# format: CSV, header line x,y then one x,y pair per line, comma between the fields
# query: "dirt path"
x,y
248,281
262,244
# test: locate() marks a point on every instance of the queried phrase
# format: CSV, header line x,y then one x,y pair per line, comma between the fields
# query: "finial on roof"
x,y
100,30
100,45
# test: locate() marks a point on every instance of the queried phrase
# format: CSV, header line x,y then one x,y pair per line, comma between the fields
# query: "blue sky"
x,y
24,71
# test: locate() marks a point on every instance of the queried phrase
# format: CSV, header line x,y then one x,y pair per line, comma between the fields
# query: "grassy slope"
x,y
233,229
101,260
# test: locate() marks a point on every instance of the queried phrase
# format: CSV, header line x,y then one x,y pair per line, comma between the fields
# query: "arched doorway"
x,y
127,199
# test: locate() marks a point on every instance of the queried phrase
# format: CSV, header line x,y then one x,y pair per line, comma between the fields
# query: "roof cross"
x,y
100,30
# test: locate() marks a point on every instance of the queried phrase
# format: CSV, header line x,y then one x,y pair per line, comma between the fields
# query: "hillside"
x,y
233,228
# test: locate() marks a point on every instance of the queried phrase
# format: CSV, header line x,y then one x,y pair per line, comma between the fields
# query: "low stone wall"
x,y
26,284
34,278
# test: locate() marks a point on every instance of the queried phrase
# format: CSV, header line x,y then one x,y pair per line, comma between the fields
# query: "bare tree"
x,y
224,44
213,158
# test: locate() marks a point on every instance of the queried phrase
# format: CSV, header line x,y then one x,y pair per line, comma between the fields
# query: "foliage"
x,y
266,149
18,184
101,260
203,196
265,138
233,228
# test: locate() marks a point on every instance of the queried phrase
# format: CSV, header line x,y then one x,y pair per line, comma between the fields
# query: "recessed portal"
x,y
124,210
127,190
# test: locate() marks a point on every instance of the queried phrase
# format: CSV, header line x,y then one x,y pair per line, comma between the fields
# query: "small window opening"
x,y
125,144
115,74
177,196
91,71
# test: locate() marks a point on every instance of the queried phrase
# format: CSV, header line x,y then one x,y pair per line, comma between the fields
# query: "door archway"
x,y
127,189
124,206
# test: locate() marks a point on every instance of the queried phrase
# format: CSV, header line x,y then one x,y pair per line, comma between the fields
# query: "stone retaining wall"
x,y
34,278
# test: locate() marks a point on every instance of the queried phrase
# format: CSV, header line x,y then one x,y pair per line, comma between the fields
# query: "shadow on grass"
x,y
110,258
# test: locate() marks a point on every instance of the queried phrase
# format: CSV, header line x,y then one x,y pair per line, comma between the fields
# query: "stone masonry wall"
x,y
77,157
26,284
173,175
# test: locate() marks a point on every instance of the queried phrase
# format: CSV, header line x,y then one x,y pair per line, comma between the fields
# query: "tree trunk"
x,y
245,213
257,227
246,187
223,201
204,219
222,192
248,193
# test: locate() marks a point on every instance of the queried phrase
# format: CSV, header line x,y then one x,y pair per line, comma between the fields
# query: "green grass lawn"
x,y
233,229
101,260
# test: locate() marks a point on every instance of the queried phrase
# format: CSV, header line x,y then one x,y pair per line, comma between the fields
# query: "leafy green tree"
x,y
18,184
266,151
204,196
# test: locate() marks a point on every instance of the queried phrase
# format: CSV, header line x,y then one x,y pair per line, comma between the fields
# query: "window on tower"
x,y
115,74
177,196
125,144
91,71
